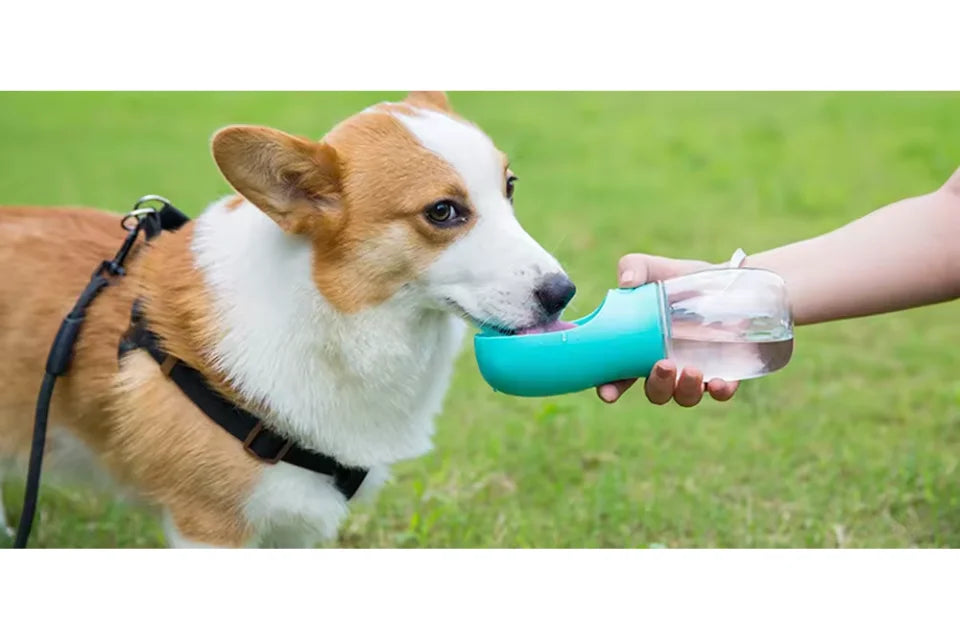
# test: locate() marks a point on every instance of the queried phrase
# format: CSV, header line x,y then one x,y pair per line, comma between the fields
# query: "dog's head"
x,y
402,197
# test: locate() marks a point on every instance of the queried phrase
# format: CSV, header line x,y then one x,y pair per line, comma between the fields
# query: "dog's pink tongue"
x,y
550,327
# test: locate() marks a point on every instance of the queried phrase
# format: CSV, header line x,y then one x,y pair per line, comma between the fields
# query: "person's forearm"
x,y
906,254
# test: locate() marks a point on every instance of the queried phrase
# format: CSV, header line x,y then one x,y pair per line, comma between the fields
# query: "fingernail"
x,y
661,371
626,277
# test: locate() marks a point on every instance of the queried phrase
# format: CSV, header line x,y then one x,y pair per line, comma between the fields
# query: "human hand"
x,y
663,383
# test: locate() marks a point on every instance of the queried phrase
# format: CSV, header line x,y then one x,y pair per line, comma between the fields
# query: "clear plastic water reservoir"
x,y
732,324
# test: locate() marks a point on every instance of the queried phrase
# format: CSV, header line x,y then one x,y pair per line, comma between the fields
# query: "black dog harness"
x,y
257,438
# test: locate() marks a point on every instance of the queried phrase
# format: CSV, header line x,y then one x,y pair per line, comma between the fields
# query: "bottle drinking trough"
x,y
732,324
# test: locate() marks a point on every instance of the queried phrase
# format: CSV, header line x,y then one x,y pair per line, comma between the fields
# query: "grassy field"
x,y
856,443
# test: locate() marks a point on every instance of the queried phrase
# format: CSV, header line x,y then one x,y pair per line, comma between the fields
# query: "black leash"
x,y
151,221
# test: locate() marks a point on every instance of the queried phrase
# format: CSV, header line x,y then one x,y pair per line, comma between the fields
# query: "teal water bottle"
x,y
731,324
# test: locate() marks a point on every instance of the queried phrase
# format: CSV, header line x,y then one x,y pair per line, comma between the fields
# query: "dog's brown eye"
x,y
510,187
444,214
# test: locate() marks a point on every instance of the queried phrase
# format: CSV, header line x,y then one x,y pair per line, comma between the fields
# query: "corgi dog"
x,y
327,298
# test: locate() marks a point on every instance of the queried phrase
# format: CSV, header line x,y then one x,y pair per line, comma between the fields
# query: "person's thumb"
x,y
633,270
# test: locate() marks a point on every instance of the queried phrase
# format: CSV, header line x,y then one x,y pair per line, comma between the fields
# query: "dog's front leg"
x,y
290,538
194,537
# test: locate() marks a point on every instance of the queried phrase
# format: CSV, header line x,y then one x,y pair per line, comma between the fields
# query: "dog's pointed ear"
x,y
289,178
436,100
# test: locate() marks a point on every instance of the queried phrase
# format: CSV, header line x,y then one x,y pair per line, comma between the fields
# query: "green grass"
x,y
856,443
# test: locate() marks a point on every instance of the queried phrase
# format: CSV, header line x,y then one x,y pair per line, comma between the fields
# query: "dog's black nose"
x,y
553,292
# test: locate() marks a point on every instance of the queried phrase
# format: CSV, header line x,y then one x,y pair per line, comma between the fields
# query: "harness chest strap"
x,y
258,440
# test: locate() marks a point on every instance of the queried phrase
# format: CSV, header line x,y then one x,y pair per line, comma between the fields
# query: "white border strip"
x,y
479,594
494,44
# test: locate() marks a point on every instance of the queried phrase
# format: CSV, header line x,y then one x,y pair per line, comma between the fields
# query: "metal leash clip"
x,y
140,217
139,211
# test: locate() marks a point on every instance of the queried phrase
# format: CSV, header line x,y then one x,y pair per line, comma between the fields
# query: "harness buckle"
x,y
248,444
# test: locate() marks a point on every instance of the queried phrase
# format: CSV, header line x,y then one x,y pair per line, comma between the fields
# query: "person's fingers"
x,y
689,389
721,389
632,270
608,393
662,384
612,391
659,384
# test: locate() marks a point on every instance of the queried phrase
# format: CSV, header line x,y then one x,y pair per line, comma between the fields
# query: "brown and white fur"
x,y
321,298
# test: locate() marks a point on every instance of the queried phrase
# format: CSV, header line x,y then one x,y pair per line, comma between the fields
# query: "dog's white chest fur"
x,y
363,387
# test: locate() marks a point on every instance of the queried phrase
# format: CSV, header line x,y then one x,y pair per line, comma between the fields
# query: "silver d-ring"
x,y
136,215
150,198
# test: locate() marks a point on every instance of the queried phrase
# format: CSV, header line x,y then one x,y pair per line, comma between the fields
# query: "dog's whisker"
x,y
556,248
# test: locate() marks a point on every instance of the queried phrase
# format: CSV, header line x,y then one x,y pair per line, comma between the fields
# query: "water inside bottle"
x,y
731,326
730,360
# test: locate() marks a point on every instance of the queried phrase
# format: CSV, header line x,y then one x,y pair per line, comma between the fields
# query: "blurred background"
x,y
855,444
